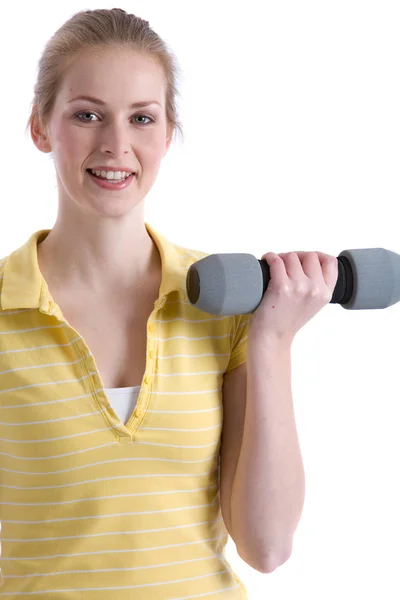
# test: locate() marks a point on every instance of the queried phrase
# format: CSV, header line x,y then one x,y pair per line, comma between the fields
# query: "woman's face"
x,y
83,134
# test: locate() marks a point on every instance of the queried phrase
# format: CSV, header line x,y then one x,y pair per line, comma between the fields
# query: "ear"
x,y
169,138
39,135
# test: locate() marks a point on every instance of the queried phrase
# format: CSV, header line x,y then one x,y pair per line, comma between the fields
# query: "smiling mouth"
x,y
110,180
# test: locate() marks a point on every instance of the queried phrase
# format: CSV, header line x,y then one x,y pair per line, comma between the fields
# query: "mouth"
x,y
90,172
111,184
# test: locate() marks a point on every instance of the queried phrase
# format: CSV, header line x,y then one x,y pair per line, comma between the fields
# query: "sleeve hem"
x,y
237,359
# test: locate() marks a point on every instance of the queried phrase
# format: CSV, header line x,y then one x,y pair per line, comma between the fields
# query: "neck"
x,y
106,256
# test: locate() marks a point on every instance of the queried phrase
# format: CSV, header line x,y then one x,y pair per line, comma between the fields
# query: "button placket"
x,y
151,329
138,412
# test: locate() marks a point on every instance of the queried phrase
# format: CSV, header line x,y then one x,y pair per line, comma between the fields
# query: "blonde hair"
x,y
101,29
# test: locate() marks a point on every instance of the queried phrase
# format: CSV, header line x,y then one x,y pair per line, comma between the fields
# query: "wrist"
x,y
259,336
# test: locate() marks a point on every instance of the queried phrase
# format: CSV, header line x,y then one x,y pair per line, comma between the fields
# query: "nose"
x,y
116,139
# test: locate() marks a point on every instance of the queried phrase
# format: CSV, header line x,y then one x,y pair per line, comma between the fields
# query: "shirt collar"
x,y
25,287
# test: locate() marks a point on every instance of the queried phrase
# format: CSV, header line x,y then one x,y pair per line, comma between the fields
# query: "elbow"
x,y
273,561
268,562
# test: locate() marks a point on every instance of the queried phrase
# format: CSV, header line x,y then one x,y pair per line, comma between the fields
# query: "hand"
x,y
301,284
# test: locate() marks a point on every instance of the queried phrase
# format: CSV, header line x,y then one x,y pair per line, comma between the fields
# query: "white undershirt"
x,y
123,400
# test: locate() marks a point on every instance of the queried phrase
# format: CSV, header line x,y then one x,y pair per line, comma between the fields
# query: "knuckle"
x,y
284,289
300,289
315,292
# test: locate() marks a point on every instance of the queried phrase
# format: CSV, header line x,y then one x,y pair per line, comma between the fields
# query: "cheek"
x,y
153,152
154,156
70,141
69,149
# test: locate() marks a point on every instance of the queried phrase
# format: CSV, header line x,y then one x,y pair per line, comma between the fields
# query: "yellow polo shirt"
x,y
91,508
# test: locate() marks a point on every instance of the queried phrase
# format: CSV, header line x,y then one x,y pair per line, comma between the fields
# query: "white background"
x,y
291,119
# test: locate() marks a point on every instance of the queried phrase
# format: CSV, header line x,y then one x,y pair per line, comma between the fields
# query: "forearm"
x,y
269,484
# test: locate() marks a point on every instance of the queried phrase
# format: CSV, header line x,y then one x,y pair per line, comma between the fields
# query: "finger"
x,y
310,262
276,267
329,267
330,270
293,265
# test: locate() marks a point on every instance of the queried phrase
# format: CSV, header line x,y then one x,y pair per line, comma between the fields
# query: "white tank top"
x,y
123,400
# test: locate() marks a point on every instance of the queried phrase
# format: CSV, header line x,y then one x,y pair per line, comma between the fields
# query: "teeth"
x,y
111,174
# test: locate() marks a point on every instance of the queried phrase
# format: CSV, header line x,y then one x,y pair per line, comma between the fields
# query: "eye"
x,y
145,117
86,112
78,115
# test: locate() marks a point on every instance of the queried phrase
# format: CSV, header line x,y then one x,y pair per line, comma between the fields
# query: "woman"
x,y
110,482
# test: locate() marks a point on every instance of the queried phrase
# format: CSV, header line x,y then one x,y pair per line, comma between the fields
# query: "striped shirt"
x,y
92,507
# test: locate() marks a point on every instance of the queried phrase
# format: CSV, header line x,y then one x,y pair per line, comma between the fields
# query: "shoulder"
x,y
2,267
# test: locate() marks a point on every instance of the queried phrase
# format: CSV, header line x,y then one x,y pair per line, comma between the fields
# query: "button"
x,y
151,328
151,354
138,412
147,379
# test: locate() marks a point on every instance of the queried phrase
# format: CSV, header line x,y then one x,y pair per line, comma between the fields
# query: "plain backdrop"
x,y
291,118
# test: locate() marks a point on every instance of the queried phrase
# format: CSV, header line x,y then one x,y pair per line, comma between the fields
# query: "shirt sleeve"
x,y
240,325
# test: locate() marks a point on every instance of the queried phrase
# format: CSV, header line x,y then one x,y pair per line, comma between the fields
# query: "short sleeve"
x,y
240,325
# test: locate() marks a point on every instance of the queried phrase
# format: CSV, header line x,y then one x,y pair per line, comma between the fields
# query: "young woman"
x,y
136,431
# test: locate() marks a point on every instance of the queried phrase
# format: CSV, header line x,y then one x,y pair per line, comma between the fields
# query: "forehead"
x,y
111,75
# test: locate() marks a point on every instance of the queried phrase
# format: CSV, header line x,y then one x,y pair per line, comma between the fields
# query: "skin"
x,y
99,241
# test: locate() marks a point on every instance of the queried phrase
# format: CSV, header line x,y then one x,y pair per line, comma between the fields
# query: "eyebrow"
x,y
97,101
